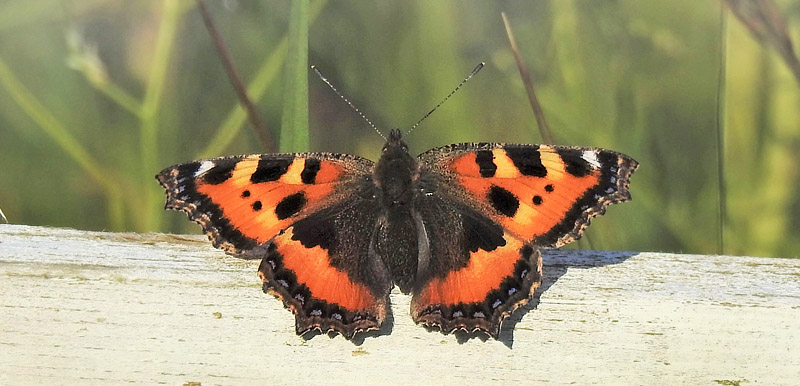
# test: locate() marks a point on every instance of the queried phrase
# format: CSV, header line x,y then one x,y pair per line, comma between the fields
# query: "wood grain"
x,y
109,308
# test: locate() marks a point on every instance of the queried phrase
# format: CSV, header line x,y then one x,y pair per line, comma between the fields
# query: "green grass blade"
x,y
120,97
233,123
294,122
62,137
151,218
85,59
51,126
259,127
720,131
265,76
527,81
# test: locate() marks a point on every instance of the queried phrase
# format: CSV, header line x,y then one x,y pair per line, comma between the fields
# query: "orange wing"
x,y
539,193
244,201
489,207
309,217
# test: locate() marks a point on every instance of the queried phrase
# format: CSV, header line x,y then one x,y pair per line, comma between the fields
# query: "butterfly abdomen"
x,y
397,245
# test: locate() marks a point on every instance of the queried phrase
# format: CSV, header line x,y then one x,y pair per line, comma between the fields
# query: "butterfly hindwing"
x,y
476,273
324,269
490,206
308,216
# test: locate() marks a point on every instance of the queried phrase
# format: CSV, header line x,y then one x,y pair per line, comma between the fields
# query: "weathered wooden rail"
x,y
108,308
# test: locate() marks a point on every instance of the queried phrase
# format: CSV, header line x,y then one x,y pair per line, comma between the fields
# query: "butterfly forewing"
x,y
540,193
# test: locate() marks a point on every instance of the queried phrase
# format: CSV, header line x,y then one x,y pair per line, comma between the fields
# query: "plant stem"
x,y
294,121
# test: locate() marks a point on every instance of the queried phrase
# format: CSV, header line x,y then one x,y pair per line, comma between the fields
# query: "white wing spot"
x,y
590,156
204,167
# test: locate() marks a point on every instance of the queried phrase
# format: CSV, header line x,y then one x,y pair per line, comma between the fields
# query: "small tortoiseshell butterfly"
x,y
459,227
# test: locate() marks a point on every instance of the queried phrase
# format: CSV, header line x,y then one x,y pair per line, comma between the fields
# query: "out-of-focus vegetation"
x,y
97,96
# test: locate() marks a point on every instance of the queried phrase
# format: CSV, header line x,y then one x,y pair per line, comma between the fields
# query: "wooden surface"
x,y
103,308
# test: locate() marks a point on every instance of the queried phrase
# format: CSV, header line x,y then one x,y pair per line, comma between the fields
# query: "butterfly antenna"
x,y
324,79
471,74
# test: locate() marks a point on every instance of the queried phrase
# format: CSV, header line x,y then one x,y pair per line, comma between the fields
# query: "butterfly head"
x,y
395,146
394,171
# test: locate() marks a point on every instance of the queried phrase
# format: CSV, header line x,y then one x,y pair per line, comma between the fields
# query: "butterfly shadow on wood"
x,y
556,263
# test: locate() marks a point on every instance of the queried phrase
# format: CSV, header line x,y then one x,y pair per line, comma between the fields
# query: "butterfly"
x,y
459,227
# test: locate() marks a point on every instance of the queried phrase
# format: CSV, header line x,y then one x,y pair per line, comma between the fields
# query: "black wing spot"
x,y
246,194
290,205
549,188
270,170
537,200
484,235
503,201
528,160
184,170
485,161
309,174
575,164
317,232
257,206
221,172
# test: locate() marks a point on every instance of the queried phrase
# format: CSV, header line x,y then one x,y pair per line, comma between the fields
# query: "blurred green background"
x,y
97,96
